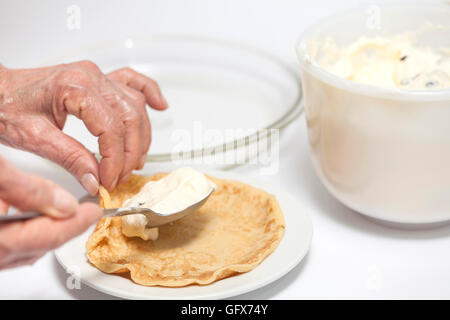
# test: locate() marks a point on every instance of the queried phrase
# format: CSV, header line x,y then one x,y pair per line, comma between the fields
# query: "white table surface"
x,y
350,257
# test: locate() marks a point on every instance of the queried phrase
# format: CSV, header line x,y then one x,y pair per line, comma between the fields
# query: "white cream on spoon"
x,y
175,192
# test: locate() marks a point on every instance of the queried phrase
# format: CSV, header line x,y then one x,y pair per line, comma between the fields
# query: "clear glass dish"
x,y
222,95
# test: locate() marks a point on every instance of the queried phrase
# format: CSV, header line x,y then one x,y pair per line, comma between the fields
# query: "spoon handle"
x,y
19,216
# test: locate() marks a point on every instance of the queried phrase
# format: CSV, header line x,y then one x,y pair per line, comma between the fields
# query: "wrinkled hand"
x,y
34,104
26,241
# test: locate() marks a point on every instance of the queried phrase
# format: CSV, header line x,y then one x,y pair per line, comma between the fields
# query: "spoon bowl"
x,y
156,219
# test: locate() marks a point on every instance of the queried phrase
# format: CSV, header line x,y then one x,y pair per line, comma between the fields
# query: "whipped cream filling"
x,y
178,190
396,62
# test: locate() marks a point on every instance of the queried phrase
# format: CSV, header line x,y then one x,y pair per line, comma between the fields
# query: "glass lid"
x,y
220,93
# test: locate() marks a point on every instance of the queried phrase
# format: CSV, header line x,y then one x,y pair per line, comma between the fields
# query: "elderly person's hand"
x,y
24,242
34,104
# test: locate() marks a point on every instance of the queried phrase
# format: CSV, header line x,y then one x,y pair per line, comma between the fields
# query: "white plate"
x,y
291,250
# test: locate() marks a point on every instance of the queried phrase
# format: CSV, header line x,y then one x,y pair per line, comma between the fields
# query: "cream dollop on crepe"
x,y
175,192
134,225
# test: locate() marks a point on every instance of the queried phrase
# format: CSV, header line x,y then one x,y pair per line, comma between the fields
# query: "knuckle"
x,y
137,99
80,76
140,100
113,126
72,161
133,117
151,86
88,64
110,122
152,83
70,77
127,71
112,97
74,99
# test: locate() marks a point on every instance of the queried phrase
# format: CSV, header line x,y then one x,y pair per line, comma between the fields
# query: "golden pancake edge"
x,y
232,233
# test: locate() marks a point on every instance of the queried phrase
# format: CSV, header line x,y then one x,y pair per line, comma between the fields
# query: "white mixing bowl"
x,y
382,152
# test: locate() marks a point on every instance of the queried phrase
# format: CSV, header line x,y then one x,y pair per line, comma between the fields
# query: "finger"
x,y
43,234
71,155
22,262
142,129
4,206
63,230
142,83
131,112
103,123
146,141
32,193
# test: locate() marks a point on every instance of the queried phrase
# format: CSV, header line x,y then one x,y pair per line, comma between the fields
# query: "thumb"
x,y
72,156
28,192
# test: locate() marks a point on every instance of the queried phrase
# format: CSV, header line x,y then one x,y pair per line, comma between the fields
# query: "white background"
x,y
350,257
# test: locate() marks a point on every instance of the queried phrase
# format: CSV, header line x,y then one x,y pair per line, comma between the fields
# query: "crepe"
x,y
232,233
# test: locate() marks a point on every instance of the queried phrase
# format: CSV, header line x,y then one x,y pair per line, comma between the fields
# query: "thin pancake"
x,y
236,229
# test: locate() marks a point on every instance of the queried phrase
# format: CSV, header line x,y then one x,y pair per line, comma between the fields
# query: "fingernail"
x,y
125,177
164,104
90,183
143,160
165,100
114,183
64,204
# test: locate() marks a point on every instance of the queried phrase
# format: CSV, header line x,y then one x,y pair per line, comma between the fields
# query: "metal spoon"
x,y
154,219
